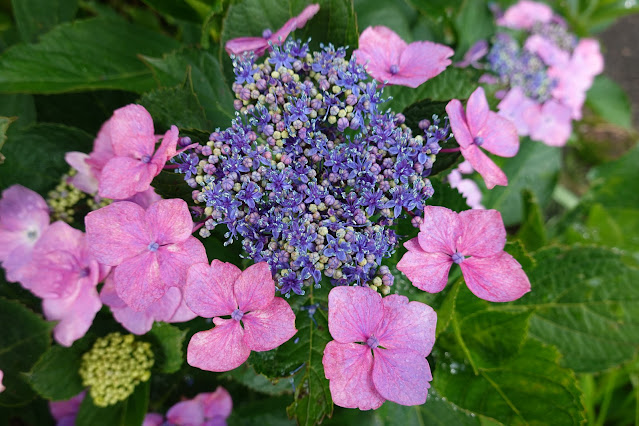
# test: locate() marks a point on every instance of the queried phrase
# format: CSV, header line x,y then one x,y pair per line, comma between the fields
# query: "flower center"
x,y
458,257
84,272
394,69
153,246
145,158
32,235
237,315
479,141
267,33
372,342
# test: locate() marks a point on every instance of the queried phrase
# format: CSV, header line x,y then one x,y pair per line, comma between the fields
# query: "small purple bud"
x,y
342,124
458,258
267,33
145,158
372,342
479,141
237,315
153,246
394,69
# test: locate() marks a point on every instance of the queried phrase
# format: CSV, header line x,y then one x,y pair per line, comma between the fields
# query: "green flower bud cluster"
x,y
114,366
66,201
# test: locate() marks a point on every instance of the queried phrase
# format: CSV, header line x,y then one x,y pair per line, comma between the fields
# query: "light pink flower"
x,y
259,45
249,296
514,106
169,308
210,409
390,60
65,275
150,249
550,123
474,54
397,335
135,163
153,419
64,412
467,188
2,388
479,126
548,51
525,14
474,239
24,216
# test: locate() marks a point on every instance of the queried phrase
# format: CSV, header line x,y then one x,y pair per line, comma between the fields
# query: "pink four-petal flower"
x,y
480,127
474,239
380,348
389,59
223,289
210,408
150,249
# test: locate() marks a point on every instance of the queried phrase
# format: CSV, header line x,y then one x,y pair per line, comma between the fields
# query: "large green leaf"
x,y
97,53
24,337
35,17
167,345
610,102
175,9
436,7
612,182
175,106
394,15
247,376
474,22
125,413
532,231
4,126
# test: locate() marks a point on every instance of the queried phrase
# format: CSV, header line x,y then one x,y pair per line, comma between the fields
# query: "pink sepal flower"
x,y
514,106
390,60
169,308
259,45
550,123
525,14
153,419
397,335
467,188
64,412
480,127
249,296
24,216
474,239
136,162
150,249
2,388
211,408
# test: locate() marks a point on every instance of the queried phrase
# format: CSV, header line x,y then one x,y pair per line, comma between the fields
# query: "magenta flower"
x,y
2,388
525,14
135,164
169,308
150,249
153,419
65,275
210,409
259,45
24,216
480,127
65,412
249,297
473,239
380,348
390,60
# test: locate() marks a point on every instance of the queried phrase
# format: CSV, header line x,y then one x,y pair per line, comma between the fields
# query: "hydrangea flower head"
x,y
473,239
248,296
259,45
150,249
24,216
380,348
525,14
210,408
479,127
389,59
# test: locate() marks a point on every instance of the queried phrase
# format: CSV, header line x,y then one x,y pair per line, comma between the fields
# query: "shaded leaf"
x,y
610,102
175,106
35,17
532,231
167,344
128,412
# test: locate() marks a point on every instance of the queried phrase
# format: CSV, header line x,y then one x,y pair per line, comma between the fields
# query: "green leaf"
x,y
446,309
532,231
474,22
394,15
612,182
446,196
20,106
585,302
4,126
167,345
335,23
174,9
125,413
530,388
97,53
436,7
247,376
35,156
535,167
608,100
55,376
175,106
24,337
35,17
516,249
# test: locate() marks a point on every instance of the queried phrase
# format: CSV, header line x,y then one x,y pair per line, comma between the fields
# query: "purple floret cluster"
x,y
312,173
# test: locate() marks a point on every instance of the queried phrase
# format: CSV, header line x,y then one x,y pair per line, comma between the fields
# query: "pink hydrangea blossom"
x,y
169,308
153,419
248,296
467,188
65,275
525,14
550,123
390,60
380,348
514,106
2,388
210,409
150,249
259,45
480,127
65,412
134,164
474,239
24,216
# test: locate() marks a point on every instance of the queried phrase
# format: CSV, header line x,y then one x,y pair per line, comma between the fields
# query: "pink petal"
x,y
167,148
169,220
379,49
2,388
500,136
254,288
117,232
216,404
102,149
587,57
306,14
123,177
524,14
131,131
421,61
209,289
483,233
182,313
176,259
401,376
188,412
439,230
268,328
513,106
22,209
458,124
70,407
135,322
219,349
353,313
488,170
407,325
496,279
146,198
426,271
477,111
240,45
551,124
138,281
153,419
549,52
84,179
348,367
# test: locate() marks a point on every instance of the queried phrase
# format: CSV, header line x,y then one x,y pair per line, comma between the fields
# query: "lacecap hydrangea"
x,y
313,171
